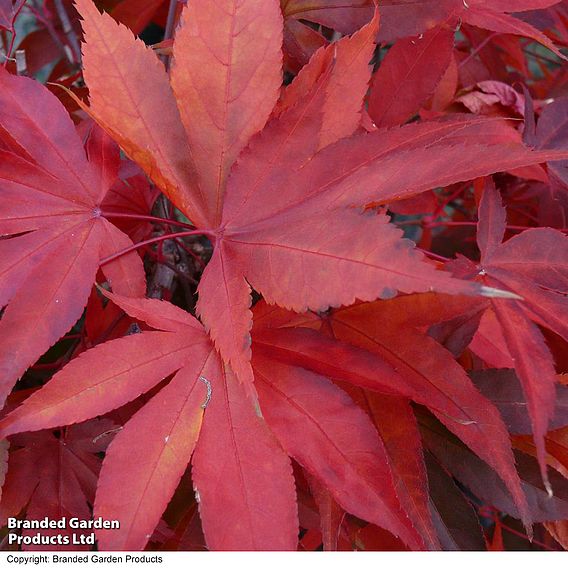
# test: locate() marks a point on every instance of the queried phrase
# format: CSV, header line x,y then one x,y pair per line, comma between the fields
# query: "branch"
x,y
170,26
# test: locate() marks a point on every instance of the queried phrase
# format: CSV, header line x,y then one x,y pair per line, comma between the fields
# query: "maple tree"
x,y
294,277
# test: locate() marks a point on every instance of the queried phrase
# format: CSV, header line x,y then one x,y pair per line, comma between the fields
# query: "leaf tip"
x,y
489,292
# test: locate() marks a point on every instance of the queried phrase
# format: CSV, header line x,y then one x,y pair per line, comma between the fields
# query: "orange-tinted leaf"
x,y
226,76
281,187
124,92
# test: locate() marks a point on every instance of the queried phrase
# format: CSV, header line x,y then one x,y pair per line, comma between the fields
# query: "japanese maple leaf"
x,y
408,75
556,440
242,476
270,211
50,217
394,419
502,387
55,477
393,333
481,480
404,18
455,517
534,265
551,133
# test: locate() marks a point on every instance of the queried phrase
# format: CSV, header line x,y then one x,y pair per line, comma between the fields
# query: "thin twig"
x,y
169,33
478,49
431,225
8,54
191,253
151,242
440,209
150,218
173,268
434,255
163,277
541,57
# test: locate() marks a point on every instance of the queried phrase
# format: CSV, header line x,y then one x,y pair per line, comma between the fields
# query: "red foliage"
x,y
333,385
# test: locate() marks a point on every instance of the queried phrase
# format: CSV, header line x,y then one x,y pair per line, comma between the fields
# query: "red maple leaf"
x,y
293,193
54,475
526,264
54,234
149,466
269,219
414,17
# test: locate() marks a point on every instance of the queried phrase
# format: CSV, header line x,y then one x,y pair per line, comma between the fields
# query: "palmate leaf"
x,y
50,214
55,477
240,471
270,223
391,364
534,265
286,188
